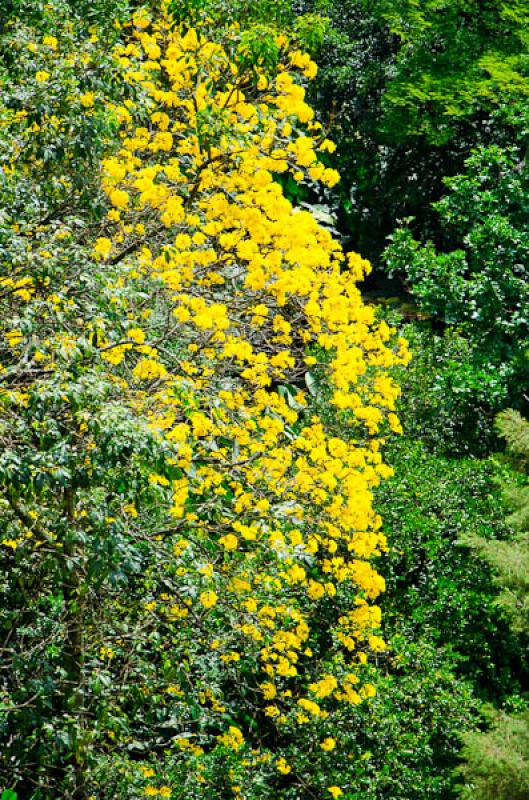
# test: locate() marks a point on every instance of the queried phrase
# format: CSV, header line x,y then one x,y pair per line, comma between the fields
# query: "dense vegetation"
x,y
248,548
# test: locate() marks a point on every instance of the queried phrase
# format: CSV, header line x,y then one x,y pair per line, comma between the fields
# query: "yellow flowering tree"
x,y
176,379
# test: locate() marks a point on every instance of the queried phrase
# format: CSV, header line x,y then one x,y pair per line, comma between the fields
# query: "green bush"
x,y
408,741
497,760
437,590
477,281
447,392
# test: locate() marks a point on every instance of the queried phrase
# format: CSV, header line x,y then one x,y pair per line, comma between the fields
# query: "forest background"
x,y
427,106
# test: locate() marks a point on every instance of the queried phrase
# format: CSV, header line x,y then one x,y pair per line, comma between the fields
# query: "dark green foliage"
x,y
436,588
510,559
446,391
455,59
407,90
409,736
476,281
449,642
478,278
497,761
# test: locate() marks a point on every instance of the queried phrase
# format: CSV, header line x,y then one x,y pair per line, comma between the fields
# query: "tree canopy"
x,y
190,593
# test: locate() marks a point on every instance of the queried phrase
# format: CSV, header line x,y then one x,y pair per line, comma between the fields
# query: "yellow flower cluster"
x,y
259,291
250,330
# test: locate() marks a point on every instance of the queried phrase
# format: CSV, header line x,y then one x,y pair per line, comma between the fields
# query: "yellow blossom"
x,y
119,198
229,542
283,767
216,296
87,99
208,599
328,744
50,41
102,247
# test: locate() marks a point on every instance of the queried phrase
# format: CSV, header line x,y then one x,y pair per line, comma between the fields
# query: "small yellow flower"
x,y
119,198
141,20
283,767
14,337
131,510
269,690
102,247
233,738
148,369
229,542
328,744
87,99
137,335
335,791
208,599
12,543
42,76
50,41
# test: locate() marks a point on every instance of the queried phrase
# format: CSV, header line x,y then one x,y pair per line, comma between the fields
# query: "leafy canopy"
x,y
187,545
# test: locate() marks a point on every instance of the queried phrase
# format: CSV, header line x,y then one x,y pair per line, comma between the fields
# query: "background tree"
x,y
407,92
497,761
475,281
